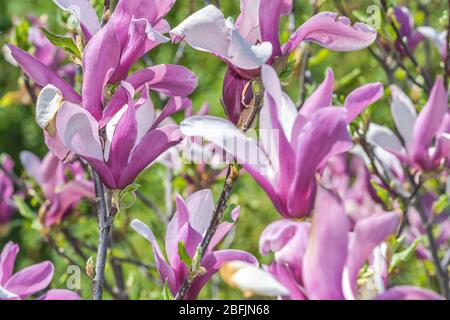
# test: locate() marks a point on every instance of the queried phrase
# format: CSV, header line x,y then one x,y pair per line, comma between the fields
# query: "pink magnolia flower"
x,y
133,137
188,226
321,260
132,31
416,227
61,194
254,40
425,137
414,36
28,281
6,191
294,145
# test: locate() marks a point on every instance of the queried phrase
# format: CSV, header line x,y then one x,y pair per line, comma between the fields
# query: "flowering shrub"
x,y
152,132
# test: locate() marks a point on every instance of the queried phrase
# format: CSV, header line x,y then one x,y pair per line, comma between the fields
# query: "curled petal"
x,y
358,100
332,32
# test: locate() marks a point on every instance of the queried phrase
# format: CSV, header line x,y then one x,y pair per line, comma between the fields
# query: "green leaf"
x,y
404,256
129,189
227,217
183,254
166,293
66,43
24,209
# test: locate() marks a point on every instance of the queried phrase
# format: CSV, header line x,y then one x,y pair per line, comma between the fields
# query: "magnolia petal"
x,y
358,100
245,56
409,293
84,12
78,131
165,272
205,30
60,294
7,260
31,279
248,22
404,114
326,253
200,206
383,137
429,121
332,32
171,80
42,75
252,280
47,105
98,68
368,234
321,97
270,12
152,145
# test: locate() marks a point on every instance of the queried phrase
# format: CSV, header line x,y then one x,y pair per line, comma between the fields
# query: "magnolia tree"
x,y
361,194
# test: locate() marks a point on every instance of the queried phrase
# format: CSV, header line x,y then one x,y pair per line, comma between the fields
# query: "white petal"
x,y
254,280
383,137
245,56
83,11
404,114
47,105
204,30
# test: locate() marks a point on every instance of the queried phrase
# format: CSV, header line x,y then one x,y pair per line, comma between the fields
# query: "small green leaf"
x,y
129,189
227,217
166,293
183,254
404,256
23,208
66,43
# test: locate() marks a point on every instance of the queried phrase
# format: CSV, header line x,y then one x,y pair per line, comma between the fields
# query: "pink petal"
x,y
7,260
321,97
358,100
42,75
60,294
409,293
332,32
327,249
31,279
98,68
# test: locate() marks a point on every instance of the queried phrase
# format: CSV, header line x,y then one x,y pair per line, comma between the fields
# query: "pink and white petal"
x,y
205,30
174,105
84,12
368,234
248,22
270,12
358,100
164,269
383,137
332,32
59,294
42,75
326,253
78,131
404,115
7,261
200,206
429,121
409,293
31,280
244,55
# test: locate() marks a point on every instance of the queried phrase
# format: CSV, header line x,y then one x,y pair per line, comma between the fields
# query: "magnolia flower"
x,y
415,35
133,137
28,281
416,228
418,132
254,40
352,181
6,191
132,30
322,260
188,227
61,194
293,145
